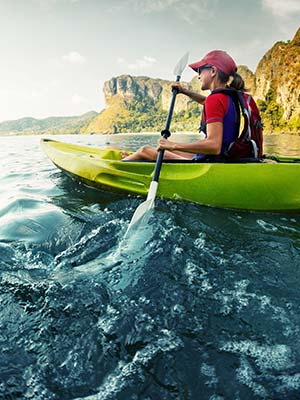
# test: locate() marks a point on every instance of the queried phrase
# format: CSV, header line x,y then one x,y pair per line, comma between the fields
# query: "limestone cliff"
x,y
129,88
278,75
141,103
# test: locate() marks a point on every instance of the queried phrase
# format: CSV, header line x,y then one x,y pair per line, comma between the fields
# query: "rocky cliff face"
x,y
276,82
140,103
128,88
279,69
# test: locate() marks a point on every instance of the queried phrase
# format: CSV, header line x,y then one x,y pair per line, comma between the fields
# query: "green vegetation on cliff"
x,y
142,115
139,115
271,111
141,104
272,114
277,82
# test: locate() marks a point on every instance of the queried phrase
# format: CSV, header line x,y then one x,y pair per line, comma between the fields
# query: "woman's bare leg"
x,y
143,153
150,153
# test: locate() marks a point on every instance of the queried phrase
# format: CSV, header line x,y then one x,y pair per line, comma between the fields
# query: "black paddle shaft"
x,y
165,133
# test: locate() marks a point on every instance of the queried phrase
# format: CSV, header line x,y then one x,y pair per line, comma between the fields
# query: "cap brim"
x,y
198,64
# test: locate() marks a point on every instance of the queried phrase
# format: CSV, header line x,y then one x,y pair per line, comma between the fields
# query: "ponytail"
x,y
238,83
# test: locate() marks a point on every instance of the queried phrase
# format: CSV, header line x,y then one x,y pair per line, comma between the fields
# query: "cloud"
x,y
77,99
145,62
46,4
149,6
141,63
121,60
74,58
190,11
282,8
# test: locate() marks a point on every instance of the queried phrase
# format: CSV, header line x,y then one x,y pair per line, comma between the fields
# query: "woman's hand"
x,y
178,86
165,144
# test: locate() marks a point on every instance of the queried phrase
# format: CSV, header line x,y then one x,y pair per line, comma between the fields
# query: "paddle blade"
x,y
143,211
181,65
140,215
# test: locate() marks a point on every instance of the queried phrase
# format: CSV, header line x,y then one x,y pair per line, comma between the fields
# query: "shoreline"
x,y
292,133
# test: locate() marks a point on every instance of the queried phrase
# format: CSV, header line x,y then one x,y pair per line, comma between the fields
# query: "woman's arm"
x,y
210,145
199,98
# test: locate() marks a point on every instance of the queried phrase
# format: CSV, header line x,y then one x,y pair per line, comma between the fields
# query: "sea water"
x,y
202,303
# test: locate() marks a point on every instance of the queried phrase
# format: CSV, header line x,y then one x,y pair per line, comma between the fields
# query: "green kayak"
x,y
260,186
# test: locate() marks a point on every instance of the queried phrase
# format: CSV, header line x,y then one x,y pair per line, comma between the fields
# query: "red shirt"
x,y
216,107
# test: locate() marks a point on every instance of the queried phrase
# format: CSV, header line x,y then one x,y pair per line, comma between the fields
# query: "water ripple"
x,y
200,303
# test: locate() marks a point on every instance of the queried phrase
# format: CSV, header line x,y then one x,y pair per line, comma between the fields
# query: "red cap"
x,y
219,59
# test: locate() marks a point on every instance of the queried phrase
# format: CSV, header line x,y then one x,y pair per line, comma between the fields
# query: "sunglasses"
x,y
206,66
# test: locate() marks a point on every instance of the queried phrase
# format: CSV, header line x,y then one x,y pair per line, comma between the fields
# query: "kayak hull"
x,y
249,186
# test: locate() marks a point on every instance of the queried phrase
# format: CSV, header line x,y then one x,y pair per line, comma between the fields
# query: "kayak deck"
x,y
250,186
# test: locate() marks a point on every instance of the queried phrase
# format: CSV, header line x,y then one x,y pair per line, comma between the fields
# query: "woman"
x,y
219,117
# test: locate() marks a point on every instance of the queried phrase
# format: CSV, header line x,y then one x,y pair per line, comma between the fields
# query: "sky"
x,y
57,54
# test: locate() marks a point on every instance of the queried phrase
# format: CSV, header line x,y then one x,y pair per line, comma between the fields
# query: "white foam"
x,y
246,376
277,357
237,298
267,226
290,382
197,276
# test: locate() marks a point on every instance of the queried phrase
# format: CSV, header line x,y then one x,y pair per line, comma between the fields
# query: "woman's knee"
x,y
146,150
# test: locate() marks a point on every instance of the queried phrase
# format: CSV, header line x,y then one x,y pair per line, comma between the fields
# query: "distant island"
x,y
50,125
140,104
